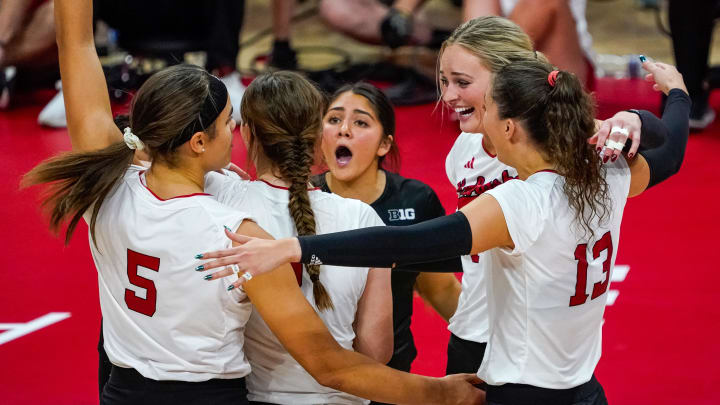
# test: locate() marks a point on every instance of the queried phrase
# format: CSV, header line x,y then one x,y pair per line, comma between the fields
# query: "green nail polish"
x,y
228,228
642,58
200,267
199,256
230,287
208,277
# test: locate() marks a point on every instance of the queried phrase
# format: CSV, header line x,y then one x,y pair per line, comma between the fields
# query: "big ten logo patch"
x,y
401,214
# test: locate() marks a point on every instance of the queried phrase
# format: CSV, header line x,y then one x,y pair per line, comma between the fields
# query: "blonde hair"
x,y
496,41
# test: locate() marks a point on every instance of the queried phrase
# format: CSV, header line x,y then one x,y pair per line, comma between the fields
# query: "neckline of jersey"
x,y
284,188
141,175
482,142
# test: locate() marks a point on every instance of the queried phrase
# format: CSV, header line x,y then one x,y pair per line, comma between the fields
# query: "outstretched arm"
x,y
477,227
89,117
655,165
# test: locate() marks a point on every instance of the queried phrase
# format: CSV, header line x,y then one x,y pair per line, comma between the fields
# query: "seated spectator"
x,y
170,28
27,41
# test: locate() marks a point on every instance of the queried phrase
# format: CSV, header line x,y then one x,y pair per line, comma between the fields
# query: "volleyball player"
x,y
281,134
169,340
361,153
551,235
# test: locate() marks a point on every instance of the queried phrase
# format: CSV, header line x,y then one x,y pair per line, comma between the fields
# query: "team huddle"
x,y
308,280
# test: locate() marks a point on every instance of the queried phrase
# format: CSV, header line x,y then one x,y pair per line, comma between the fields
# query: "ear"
x,y
385,145
510,129
198,142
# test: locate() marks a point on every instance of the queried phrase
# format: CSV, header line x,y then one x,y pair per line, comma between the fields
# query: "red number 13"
x,y
599,288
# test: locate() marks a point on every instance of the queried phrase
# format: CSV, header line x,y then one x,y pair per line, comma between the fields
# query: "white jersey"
x,y
276,377
159,316
577,8
473,171
547,296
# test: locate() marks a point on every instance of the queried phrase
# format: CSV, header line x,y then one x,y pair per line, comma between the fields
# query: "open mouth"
x,y
465,112
342,156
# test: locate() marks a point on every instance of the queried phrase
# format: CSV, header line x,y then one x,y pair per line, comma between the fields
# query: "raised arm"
x,y
277,297
374,318
89,117
655,165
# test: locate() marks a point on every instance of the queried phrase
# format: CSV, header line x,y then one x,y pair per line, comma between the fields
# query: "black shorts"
x,y
128,387
590,393
464,356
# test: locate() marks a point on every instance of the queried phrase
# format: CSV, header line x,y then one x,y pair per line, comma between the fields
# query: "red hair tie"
x,y
552,77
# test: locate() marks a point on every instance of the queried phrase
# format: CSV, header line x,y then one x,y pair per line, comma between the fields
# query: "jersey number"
x,y
147,305
599,288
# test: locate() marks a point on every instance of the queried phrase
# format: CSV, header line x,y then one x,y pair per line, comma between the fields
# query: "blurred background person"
x,y
167,29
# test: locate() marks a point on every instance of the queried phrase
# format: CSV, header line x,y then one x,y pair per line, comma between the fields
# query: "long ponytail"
x,y
559,117
284,113
79,181
168,109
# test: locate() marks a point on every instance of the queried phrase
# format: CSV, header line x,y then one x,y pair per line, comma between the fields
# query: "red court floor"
x,y
660,333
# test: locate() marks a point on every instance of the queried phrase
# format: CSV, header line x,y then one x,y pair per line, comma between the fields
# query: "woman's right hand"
x,y
665,77
251,255
461,389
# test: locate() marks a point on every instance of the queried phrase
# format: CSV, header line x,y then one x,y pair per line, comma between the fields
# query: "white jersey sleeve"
x,y
524,212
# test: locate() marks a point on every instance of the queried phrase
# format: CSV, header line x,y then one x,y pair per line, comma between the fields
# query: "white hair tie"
x,y
132,141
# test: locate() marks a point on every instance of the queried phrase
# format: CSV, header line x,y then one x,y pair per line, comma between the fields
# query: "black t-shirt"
x,y
403,202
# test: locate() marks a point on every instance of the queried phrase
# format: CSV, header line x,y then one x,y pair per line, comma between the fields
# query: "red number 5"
x,y
147,305
599,288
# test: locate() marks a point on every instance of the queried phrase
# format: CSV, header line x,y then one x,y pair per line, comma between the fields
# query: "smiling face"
x,y
464,80
353,138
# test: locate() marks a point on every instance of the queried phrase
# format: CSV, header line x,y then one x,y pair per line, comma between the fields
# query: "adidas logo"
x,y
470,164
315,261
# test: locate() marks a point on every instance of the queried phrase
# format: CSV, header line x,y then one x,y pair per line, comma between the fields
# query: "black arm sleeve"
x,y
653,131
665,161
453,265
390,246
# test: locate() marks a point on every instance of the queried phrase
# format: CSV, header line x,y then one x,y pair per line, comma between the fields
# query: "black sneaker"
x,y
283,57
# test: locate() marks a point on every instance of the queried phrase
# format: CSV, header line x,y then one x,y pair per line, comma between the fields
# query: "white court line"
x,y
612,296
21,329
619,273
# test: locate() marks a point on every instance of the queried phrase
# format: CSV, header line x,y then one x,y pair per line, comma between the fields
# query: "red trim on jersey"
x,y
162,199
546,170
285,188
485,149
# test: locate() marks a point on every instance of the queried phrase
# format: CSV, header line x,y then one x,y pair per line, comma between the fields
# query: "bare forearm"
x,y
367,379
441,291
480,8
73,21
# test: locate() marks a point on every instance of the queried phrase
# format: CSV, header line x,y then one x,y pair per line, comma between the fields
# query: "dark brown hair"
x,y
559,119
284,113
383,109
163,115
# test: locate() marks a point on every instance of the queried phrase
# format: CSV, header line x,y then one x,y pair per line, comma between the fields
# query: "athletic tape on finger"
x,y
615,145
619,130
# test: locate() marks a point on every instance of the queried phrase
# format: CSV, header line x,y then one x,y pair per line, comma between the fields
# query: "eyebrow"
x,y
357,111
457,74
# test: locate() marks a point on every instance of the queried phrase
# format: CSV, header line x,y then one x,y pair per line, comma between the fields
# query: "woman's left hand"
x,y
614,132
